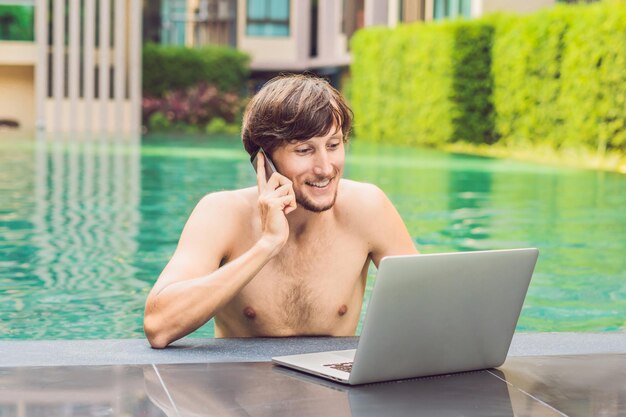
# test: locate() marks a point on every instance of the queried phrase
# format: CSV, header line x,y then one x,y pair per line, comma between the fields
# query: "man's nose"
x,y
322,167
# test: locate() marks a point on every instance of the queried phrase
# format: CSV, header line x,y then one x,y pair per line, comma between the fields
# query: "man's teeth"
x,y
320,184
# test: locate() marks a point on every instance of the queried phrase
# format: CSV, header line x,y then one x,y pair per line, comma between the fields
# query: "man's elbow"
x,y
155,333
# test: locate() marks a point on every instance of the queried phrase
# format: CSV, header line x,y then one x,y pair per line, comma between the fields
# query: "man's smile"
x,y
320,183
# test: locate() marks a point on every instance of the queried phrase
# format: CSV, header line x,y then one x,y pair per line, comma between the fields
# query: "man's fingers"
x,y
277,191
278,202
281,191
261,180
277,180
291,206
288,203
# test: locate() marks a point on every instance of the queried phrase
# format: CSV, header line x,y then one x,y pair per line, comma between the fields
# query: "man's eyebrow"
x,y
300,142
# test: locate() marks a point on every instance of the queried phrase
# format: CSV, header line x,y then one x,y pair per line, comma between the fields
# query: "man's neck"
x,y
302,221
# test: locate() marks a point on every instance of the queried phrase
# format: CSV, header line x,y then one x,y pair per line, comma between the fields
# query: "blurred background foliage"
x,y
173,67
194,89
17,22
553,81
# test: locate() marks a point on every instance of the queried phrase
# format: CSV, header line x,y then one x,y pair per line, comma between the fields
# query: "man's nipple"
x,y
249,313
342,310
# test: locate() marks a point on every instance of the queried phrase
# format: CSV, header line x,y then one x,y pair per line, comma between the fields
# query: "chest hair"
x,y
300,268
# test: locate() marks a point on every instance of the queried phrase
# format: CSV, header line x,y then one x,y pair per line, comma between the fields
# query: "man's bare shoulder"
x,y
218,220
360,200
370,213
361,193
231,202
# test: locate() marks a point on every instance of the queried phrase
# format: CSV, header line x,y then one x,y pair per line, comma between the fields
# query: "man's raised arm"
x,y
193,287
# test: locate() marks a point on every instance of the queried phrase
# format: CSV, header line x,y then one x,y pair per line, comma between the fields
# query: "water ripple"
x,y
86,227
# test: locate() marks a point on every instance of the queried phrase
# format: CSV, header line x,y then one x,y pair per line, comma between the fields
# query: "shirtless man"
x,y
290,256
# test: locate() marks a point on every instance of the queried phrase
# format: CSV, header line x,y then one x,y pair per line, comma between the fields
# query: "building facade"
x,y
55,76
307,35
70,65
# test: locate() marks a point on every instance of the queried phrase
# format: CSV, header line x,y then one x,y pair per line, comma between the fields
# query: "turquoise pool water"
x,y
86,226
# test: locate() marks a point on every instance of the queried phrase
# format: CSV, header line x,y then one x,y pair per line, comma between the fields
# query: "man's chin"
x,y
315,207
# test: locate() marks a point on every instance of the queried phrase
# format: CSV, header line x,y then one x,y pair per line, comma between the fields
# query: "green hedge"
x,y
401,84
171,68
593,100
556,78
472,83
527,67
561,77
423,84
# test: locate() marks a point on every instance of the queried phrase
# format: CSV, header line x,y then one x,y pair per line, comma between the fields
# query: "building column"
x,y
300,22
477,9
328,30
393,13
429,10
41,67
376,12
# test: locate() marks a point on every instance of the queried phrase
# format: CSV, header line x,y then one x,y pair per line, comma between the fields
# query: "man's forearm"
x,y
182,307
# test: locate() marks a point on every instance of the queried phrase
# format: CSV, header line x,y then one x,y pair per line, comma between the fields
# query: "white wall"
x,y
481,7
271,49
17,100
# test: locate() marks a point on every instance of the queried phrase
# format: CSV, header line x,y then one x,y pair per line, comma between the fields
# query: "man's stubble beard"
x,y
304,202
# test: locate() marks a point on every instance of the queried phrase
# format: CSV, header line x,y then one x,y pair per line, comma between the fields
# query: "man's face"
x,y
315,167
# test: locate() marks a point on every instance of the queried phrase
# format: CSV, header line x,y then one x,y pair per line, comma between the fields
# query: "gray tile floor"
x,y
223,383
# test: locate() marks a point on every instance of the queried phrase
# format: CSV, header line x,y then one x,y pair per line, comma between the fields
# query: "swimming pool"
x,y
86,226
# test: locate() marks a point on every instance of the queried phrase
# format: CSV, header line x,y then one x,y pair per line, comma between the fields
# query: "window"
x,y
173,22
17,21
452,9
267,18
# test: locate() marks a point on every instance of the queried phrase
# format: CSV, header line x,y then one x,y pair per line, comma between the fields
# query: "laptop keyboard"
x,y
343,366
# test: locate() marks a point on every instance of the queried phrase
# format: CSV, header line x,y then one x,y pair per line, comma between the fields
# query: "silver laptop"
x,y
431,315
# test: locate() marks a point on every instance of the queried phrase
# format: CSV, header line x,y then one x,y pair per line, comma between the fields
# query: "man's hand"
x,y
276,200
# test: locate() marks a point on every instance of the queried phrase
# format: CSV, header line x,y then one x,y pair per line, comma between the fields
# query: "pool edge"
x,y
20,353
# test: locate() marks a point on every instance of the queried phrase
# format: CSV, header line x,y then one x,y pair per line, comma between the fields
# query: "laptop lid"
x,y
442,313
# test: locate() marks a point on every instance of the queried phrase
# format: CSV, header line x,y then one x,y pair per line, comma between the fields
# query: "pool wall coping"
x,y
20,353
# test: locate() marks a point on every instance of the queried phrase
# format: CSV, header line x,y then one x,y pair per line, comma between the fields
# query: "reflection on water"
x,y
73,260
576,218
87,224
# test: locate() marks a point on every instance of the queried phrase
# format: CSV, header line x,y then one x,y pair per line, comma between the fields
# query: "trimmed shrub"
x,y
401,84
159,122
218,125
527,55
365,87
424,84
472,83
193,106
555,79
593,95
168,68
560,77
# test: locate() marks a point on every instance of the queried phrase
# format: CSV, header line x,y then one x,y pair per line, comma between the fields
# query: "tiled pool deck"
x,y
546,374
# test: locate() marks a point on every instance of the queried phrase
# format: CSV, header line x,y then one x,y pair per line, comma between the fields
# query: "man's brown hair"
x,y
292,108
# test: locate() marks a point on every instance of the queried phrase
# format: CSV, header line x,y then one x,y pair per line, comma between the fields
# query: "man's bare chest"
x,y
306,289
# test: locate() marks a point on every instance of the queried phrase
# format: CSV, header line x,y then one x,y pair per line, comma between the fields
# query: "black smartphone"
x,y
269,166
